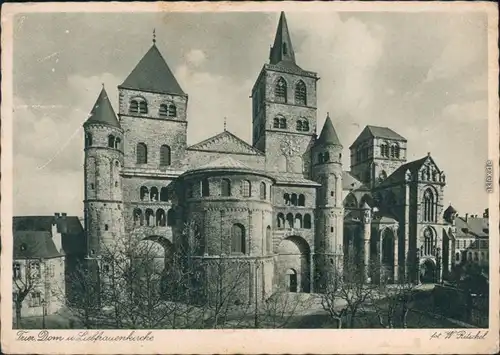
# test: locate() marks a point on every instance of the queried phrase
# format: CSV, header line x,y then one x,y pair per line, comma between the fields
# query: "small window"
x,y
160,218
165,155
245,188
225,187
153,194
282,123
142,153
106,227
327,157
88,140
302,200
172,110
143,107
164,194
276,122
134,106
331,229
35,270
36,299
238,239
163,112
16,274
92,186
111,141
205,188
118,142
263,191
307,221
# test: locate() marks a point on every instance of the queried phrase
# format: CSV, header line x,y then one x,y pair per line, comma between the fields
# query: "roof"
x,y
350,182
328,135
72,233
288,179
477,226
399,174
226,142
282,49
377,132
153,74
33,245
102,112
228,164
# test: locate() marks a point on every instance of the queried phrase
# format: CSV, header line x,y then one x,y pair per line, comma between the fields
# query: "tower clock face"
x,y
289,148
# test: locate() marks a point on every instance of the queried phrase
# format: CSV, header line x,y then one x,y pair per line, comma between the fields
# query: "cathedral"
x,y
283,205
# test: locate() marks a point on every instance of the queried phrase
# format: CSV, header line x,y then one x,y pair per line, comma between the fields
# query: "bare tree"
x,y
25,281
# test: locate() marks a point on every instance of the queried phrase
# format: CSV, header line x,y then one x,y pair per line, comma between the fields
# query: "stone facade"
x,y
298,215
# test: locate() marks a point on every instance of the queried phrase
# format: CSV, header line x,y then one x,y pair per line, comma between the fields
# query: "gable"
x,y
226,142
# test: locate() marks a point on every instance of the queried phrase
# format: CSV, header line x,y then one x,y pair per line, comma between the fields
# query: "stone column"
x,y
406,269
311,272
366,240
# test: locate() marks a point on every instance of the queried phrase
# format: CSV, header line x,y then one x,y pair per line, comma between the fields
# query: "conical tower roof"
x,y
152,74
282,49
328,135
102,112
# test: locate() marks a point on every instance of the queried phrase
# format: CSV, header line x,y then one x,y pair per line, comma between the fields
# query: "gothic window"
x,y
428,242
429,206
282,123
280,220
263,191
134,106
153,194
88,139
237,239
118,142
149,217
160,218
350,201
245,188
142,153
164,194
171,217
16,273
205,188
138,218
111,141
298,220
163,112
165,155
276,122
269,240
293,200
307,221
280,91
300,93
225,187
144,193
302,200
289,220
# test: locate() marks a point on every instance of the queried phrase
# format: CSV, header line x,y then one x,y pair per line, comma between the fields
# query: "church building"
x,y
283,206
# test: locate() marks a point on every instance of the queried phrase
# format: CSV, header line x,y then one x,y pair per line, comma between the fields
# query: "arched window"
x,y
428,242
280,91
280,220
395,151
88,139
282,123
286,199
429,206
165,155
350,201
457,256
269,240
245,188
144,193
163,112
300,93
172,110
143,106
476,256
263,191
384,150
289,220
160,218
307,221
225,187
326,157
276,122
134,106
149,217
305,126
294,200
118,142
164,194
153,194
111,141
298,220
237,239
205,188
142,153
302,200
299,125
321,158
171,217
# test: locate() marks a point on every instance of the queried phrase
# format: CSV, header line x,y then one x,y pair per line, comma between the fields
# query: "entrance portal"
x,y
292,280
428,271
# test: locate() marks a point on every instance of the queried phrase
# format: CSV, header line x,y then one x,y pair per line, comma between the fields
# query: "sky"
x,y
424,75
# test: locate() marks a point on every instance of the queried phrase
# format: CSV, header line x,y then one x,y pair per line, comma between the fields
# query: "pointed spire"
x,y
102,112
282,50
328,135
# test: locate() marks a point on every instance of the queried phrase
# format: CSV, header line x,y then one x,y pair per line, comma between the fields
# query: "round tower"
x,y
103,189
327,170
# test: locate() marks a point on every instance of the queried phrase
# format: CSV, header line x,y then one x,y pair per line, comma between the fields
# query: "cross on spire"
x,y
154,35
225,119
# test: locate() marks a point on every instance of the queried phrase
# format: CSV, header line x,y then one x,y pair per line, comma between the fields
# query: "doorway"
x,y
292,280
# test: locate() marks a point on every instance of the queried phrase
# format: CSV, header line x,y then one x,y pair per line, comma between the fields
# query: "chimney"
x,y
56,237
56,214
466,217
63,226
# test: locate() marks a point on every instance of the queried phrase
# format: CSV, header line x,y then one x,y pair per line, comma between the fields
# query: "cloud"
x,y
471,111
196,57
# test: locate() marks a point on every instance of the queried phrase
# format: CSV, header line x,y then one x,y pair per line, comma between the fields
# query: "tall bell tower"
x,y
284,108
